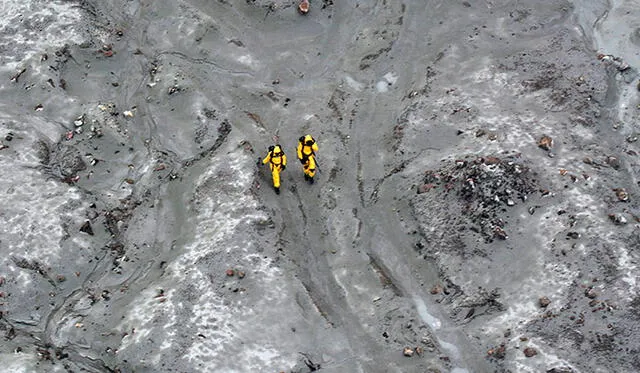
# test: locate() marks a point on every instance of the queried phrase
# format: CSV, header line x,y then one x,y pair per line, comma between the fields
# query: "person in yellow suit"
x,y
277,161
307,148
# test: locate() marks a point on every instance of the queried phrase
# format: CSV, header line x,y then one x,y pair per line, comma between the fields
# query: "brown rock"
x,y
530,352
408,352
545,142
622,194
491,160
303,7
544,302
590,293
498,352
425,188
230,272
613,162
500,233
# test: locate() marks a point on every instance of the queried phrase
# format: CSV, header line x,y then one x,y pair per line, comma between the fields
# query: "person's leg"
x,y
275,174
311,168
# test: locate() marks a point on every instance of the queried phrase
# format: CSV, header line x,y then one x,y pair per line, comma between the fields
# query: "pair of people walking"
x,y
306,152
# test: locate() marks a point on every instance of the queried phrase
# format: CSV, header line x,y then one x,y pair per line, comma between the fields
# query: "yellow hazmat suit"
x,y
307,148
277,162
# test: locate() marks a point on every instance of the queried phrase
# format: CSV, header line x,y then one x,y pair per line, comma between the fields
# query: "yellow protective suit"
x,y
307,148
277,161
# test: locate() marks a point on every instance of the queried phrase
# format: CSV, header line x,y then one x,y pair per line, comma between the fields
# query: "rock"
x,y
230,272
618,219
561,370
425,188
303,7
86,228
613,162
544,302
530,352
241,274
408,352
15,77
545,142
618,62
574,235
498,352
500,233
622,194
590,293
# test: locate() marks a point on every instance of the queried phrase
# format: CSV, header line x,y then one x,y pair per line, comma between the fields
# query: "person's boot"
x,y
277,189
310,179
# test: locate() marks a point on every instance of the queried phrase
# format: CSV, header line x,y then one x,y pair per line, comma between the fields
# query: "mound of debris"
x,y
475,191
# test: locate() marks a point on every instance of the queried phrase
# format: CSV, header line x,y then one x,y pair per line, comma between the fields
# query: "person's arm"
x,y
299,150
314,147
284,160
267,158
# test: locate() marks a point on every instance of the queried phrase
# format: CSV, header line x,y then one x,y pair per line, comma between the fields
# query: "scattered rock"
x,y
613,60
545,142
590,293
303,7
622,194
241,274
483,185
61,278
425,188
613,162
544,302
86,228
574,235
408,352
618,219
561,370
500,233
530,352
230,272
498,352
17,76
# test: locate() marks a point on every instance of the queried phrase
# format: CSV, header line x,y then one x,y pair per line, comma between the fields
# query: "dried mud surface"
x,y
475,209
